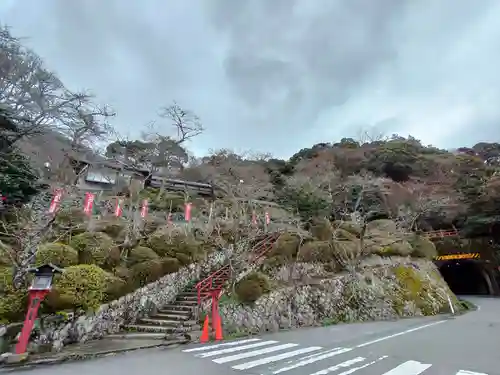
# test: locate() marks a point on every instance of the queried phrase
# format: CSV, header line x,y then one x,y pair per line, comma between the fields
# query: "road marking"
x,y
408,368
253,353
312,360
275,358
236,349
463,372
399,334
350,371
208,347
339,366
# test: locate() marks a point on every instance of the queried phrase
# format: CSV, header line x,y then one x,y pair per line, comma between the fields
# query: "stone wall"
x,y
383,289
112,316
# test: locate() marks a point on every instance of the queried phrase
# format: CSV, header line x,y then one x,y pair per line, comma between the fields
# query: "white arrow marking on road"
x,y
364,366
339,366
312,360
208,347
463,372
408,368
236,349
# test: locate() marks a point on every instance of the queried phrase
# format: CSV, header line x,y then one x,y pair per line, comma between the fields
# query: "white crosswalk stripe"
x,y
271,357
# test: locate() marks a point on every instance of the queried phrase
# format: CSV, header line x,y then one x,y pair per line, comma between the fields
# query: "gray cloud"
x,y
280,75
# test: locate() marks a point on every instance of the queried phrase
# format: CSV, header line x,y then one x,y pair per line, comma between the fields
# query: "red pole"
x,y
35,298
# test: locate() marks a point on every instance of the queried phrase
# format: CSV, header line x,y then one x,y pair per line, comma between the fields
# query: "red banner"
x,y
54,204
144,209
187,211
118,208
88,203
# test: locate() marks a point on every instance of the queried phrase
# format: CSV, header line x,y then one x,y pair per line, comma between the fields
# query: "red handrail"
x,y
207,284
440,233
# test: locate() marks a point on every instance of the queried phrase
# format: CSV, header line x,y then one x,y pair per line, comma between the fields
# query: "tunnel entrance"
x,y
466,277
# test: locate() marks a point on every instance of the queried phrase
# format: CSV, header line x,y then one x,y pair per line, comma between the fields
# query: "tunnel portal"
x,y
466,277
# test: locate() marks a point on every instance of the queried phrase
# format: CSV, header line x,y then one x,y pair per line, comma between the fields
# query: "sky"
x,y
280,75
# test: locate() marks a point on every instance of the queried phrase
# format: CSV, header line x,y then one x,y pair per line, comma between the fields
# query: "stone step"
x,y
176,308
189,293
160,329
172,315
180,297
186,302
165,322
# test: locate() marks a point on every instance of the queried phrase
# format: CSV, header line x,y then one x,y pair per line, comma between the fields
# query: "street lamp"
x,y
40,287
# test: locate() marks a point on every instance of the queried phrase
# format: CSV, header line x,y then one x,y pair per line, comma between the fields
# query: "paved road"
x,y
465,345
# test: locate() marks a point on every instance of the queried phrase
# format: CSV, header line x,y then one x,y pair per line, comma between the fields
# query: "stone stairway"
x,y
171,322
179,320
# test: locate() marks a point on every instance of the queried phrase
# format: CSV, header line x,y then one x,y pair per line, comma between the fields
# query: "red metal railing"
x,y
441,233
217,279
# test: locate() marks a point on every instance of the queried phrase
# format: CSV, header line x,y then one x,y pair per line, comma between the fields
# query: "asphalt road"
x,y
465,345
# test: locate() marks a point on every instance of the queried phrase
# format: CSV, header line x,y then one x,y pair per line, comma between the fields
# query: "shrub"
x,y
322,230
146,272
7,253
58,254
12,302
175,243
116,287
114,228
96,248
252,287
80,287
316,251
141,254
170,265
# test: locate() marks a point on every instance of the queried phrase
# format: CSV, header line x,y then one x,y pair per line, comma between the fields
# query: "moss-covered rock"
x,y
422,247
383,225
252,287
58,254
348,226
83,286
96,248
422,291
141,254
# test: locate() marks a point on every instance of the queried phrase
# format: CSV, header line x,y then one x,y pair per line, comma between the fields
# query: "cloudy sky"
x,y
280,75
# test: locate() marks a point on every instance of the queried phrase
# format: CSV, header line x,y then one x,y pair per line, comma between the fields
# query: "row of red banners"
x,y
88,203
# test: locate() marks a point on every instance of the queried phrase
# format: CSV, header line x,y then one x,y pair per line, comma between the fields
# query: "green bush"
x,y
7,253
170,265
58,254
116,287
146,272
114,228
12,302
96,248
252,287
141,254
176,243
83,286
